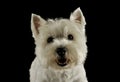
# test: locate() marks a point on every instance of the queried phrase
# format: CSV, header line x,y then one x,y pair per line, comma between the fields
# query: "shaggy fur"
x,y
45,66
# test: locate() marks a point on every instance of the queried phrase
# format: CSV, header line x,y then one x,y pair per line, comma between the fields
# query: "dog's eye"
x,y
50,39
70,37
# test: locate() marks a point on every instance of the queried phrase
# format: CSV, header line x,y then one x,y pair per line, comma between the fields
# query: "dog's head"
x,y
60,43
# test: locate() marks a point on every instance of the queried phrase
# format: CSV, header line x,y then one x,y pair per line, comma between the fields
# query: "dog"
x,y
60,50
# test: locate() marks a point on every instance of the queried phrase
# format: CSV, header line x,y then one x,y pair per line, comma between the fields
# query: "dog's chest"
x,y
60,77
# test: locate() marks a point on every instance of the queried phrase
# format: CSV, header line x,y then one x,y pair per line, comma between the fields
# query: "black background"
x,y
18,47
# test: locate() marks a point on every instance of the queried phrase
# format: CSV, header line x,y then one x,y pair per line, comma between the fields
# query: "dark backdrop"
x,y
19,44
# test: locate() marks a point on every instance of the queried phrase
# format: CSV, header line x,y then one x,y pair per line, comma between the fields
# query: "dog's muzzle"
x,y
61,60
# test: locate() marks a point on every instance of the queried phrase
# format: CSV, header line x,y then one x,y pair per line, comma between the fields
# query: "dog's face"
x,y
60,43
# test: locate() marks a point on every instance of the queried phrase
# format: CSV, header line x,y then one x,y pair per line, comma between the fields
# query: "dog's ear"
x,y
36,23
77,16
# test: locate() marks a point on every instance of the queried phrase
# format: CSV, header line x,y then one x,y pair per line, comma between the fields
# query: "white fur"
x,y
44,67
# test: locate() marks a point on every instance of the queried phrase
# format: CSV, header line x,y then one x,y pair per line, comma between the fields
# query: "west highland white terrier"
x,y
60,49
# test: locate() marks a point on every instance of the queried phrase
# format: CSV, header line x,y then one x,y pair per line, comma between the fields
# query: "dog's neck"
x,y
64,73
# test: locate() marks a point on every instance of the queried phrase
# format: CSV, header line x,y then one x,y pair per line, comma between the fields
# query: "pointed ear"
x,y
36,23
77,16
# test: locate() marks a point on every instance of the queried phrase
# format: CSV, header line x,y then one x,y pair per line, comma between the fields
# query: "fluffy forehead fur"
x,y
61,26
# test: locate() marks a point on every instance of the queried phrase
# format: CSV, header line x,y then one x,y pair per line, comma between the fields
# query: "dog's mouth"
x,y
62,61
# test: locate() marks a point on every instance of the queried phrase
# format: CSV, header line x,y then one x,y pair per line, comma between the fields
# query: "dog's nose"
x,y
61,51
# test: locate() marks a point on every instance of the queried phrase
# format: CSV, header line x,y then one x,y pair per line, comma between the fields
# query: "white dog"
x,y
60,49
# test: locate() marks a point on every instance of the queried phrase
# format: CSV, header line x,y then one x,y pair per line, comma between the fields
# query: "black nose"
x,y
61,51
